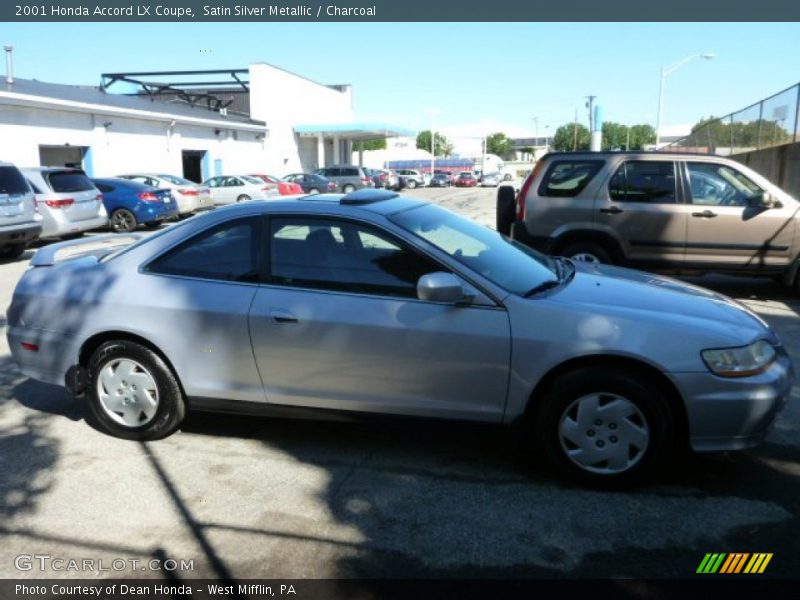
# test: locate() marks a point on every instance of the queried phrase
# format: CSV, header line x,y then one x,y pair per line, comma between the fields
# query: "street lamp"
x,y
667,71
432,113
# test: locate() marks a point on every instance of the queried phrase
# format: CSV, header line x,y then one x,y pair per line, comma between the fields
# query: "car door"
x,y
339,326
644,208
728,227
203,289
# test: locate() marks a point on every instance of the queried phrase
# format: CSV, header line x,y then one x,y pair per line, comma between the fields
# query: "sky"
x,y
519,78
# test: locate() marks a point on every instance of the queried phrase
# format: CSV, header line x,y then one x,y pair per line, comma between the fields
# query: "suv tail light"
x,y
147,197
523,191
60,203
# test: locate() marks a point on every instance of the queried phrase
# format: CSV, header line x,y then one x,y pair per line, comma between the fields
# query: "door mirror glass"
x,y
764,200
440,287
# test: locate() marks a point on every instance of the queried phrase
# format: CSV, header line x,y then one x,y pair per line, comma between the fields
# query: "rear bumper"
x,y
155,212
734,413
52,359
59,225
16,234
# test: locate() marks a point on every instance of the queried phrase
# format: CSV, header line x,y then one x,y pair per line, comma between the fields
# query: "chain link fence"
x,y
771,122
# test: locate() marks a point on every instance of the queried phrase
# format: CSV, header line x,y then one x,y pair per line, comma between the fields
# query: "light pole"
x,y
433,113
667,71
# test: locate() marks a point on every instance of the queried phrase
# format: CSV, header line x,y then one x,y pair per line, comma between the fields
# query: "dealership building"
x,y
196,124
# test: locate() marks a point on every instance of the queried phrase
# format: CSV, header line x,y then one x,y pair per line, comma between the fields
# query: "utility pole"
x,y
590,106
575,132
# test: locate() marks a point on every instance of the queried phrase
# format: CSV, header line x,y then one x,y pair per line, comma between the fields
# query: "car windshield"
x,y
502,261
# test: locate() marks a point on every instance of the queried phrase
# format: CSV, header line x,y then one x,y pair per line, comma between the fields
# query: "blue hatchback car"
x,y
130,203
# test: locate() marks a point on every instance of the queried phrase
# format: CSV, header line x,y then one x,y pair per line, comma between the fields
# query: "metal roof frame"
x,y
192,92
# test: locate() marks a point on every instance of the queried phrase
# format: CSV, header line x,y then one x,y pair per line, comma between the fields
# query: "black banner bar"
x,y
372,11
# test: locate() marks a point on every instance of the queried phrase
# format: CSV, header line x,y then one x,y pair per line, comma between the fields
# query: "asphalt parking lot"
x,y
245,497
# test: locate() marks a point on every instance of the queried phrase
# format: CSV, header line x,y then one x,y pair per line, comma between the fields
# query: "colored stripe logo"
x,y
735,562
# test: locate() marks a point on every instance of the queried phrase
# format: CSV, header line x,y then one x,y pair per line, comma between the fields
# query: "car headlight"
x,y
740,362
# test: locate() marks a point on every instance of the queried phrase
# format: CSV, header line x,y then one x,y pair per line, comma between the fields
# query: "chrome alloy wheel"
x,y
604,433
127,392
123,221
585,257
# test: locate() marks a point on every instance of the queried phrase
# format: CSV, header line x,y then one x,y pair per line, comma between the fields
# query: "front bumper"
x,y
728,413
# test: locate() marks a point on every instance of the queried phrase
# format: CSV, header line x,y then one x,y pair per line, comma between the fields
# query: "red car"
x,y
466,180
285,188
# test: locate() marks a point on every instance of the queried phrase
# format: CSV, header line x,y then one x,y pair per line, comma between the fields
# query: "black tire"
x,y
152,224
411,184
347,188
556,401
122,221
314,190
507,177
506,209
171,407
585,250
243,198
73,236
12,251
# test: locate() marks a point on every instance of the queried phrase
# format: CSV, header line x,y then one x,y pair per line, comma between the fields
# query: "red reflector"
x,y
61,203
29,346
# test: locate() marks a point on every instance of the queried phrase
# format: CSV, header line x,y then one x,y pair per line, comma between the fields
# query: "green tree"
x,y
615,136
441,146
370,145
641,136
499,144
566,136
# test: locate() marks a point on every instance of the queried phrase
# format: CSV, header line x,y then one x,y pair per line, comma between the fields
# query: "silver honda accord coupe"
x,y
376,303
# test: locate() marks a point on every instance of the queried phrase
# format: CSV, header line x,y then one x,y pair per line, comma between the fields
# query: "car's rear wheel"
x,y
152,224
506,209
122,221
587,252
313,191
12,251
73,236
348,188
243,198
133,393
603,424
411,184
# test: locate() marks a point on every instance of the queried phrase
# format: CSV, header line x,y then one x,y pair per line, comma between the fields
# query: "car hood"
x,y
633,294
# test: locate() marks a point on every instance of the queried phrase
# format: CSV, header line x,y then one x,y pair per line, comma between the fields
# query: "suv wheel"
x,y
603,424
133,393
348,188
587,252
411,184
12,251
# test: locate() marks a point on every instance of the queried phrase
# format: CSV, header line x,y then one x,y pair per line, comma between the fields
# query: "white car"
x,y
229,189
191,197
68,201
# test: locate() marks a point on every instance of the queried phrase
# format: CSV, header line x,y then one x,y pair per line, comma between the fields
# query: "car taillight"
x,y
331,185
60,203
148,197
523,192
189,192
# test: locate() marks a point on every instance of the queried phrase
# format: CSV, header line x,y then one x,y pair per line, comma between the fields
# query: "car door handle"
x,y
282,316
613,210
706,213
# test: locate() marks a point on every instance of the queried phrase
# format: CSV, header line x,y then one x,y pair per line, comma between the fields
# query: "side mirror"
x,y
765,200
440,287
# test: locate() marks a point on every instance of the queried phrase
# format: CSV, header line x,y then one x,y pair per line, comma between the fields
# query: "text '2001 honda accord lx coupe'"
x,y
374,303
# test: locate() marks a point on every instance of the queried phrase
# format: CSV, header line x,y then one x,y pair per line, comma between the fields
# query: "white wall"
x,y
284,100
127,144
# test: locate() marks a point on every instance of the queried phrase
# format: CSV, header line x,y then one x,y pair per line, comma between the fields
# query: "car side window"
x,y
568,178
227,252
714,184
651,181
342,256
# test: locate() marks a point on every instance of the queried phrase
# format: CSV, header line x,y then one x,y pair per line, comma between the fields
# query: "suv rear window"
x,y
644,181
568,178
12,182
69,181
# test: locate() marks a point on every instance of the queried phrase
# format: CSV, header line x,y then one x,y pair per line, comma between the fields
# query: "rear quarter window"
x,y
69,181
12,182
568,178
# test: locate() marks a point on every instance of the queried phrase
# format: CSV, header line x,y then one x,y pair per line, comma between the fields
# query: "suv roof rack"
x,y
367,196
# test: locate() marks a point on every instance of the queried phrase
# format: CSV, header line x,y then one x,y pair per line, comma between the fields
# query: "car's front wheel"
x,y
133,393
411,184
603,424
587,252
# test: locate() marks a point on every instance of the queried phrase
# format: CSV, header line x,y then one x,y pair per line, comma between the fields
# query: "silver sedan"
x,y
375,303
